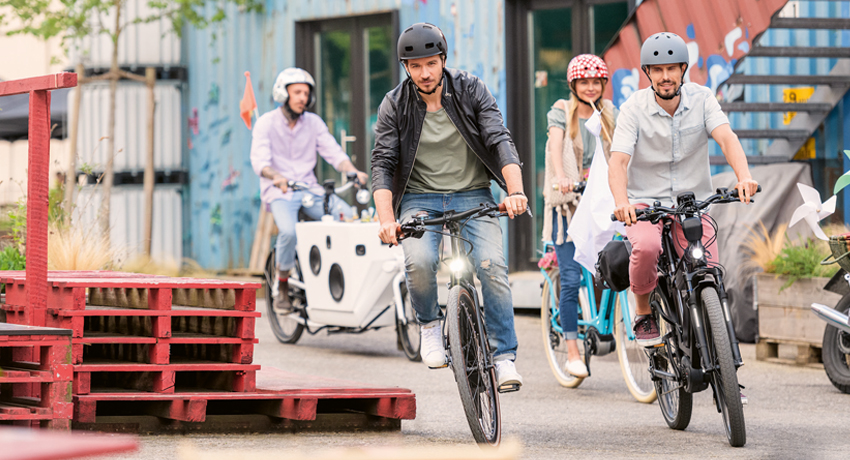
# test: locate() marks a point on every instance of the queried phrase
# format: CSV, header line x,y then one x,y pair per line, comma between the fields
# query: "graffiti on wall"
x,y
715,43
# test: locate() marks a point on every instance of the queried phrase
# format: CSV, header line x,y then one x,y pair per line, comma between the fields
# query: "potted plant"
x,y
792,279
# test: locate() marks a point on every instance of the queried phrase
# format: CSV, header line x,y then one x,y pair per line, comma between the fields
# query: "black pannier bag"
x,y
613,264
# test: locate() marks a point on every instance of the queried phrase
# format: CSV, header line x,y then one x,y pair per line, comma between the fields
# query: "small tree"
x,y
73,20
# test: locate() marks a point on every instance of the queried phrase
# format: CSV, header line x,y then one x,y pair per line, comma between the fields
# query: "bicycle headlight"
x,y
456,266
307,201
697,252
363,196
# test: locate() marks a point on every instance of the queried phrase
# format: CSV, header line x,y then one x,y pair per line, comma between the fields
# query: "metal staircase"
x,y
830,85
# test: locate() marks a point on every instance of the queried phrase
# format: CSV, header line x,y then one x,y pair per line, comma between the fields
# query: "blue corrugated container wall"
x,y
223,202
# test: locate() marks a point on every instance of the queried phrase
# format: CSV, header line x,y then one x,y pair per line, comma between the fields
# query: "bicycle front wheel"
x,y
476,383
676,404
725,377
554,344
408,332
634,361
285,325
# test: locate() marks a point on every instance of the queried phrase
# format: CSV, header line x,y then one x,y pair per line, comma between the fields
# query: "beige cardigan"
x,y
571,156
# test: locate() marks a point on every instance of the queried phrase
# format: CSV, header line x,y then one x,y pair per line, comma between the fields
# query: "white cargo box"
x,y
347,272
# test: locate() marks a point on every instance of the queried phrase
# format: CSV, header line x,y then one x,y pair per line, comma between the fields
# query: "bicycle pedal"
x,y
744,399
509,388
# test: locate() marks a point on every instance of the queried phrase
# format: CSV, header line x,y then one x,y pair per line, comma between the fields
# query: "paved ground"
x,y
793,412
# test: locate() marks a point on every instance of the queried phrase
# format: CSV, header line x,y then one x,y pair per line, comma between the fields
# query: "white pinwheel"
x,y
812,210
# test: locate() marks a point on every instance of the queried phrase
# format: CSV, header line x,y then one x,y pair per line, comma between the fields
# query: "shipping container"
x,y
131,125
127,218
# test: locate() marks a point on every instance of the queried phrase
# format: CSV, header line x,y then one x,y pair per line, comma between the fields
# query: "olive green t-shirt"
x,y
444,163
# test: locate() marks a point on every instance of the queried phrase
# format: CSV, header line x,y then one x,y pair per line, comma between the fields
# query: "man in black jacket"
x,y
439,140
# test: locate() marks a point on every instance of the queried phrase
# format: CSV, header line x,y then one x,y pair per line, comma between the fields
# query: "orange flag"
x,y
248,104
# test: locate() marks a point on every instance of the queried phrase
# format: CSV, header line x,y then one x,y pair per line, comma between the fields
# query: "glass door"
x,y
353,61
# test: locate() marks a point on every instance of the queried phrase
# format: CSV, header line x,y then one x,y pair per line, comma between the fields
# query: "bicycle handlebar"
x,y
578,187
415,227
723,195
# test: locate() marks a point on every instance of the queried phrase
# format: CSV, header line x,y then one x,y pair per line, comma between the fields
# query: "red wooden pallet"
x,y
169,378
35,382
19,444
76,290
280,395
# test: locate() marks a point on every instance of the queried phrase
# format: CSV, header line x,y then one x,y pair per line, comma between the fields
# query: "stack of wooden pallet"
x,y
179,349
35,376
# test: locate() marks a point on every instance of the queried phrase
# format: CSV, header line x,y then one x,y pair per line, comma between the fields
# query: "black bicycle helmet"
x,y
421,40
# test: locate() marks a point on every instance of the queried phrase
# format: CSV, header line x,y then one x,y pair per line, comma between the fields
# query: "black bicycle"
x,y
699,346
465,334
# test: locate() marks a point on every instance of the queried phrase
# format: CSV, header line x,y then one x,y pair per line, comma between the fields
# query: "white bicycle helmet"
x,y
291,76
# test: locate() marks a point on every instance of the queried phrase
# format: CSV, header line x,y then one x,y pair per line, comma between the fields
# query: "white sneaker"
x,y
506,373
432,350
577,368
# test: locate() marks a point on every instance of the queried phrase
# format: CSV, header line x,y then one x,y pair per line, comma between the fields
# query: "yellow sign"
x,y
807,151
795,95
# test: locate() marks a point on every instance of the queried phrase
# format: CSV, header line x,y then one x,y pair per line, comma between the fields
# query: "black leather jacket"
x,y
470,107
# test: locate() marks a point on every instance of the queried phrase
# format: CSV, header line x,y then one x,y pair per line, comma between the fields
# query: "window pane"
x,y
380,61
551,52
335,90
606,20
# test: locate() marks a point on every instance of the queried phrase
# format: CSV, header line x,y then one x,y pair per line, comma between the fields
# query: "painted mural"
x,y
224,197
717,33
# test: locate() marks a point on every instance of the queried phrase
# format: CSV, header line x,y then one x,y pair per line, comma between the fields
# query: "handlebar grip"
x,y
502,207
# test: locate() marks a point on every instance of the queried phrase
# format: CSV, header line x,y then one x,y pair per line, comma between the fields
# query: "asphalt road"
x,y
793,412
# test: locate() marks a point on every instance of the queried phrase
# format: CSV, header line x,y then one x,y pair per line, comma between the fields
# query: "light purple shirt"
x,y
292,152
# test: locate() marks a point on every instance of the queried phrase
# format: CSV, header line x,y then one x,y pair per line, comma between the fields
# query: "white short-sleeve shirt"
x,y
669,154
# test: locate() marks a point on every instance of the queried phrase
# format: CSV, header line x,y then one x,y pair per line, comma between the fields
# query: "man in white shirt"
x,y
659,150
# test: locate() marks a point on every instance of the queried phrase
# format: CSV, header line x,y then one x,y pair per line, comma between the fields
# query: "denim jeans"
x,y
421,257
285,213
570,281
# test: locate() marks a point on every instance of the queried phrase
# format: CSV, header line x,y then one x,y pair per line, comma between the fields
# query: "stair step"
x,y
800,51
775,107
772,133
834,80
810,23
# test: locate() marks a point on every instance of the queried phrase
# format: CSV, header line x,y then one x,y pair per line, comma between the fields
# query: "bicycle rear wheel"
x,y
554,344
285,325
724,379
469,352
634,361
676,404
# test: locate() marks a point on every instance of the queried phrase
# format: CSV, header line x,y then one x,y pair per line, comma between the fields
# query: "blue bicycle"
x,y
605,319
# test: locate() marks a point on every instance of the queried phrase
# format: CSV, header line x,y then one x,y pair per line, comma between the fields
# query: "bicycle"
x,y
699,347
387,294
465,334
605,320
604,325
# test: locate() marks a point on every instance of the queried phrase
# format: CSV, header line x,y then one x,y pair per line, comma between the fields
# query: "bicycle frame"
x,y
601,319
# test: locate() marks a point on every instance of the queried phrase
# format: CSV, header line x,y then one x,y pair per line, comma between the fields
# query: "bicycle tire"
x,y
634,361
408,334
553,342
835,361
676,404
725,377
286,328
476,385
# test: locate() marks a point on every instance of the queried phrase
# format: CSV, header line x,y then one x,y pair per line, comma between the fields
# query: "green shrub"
x,y
802,260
